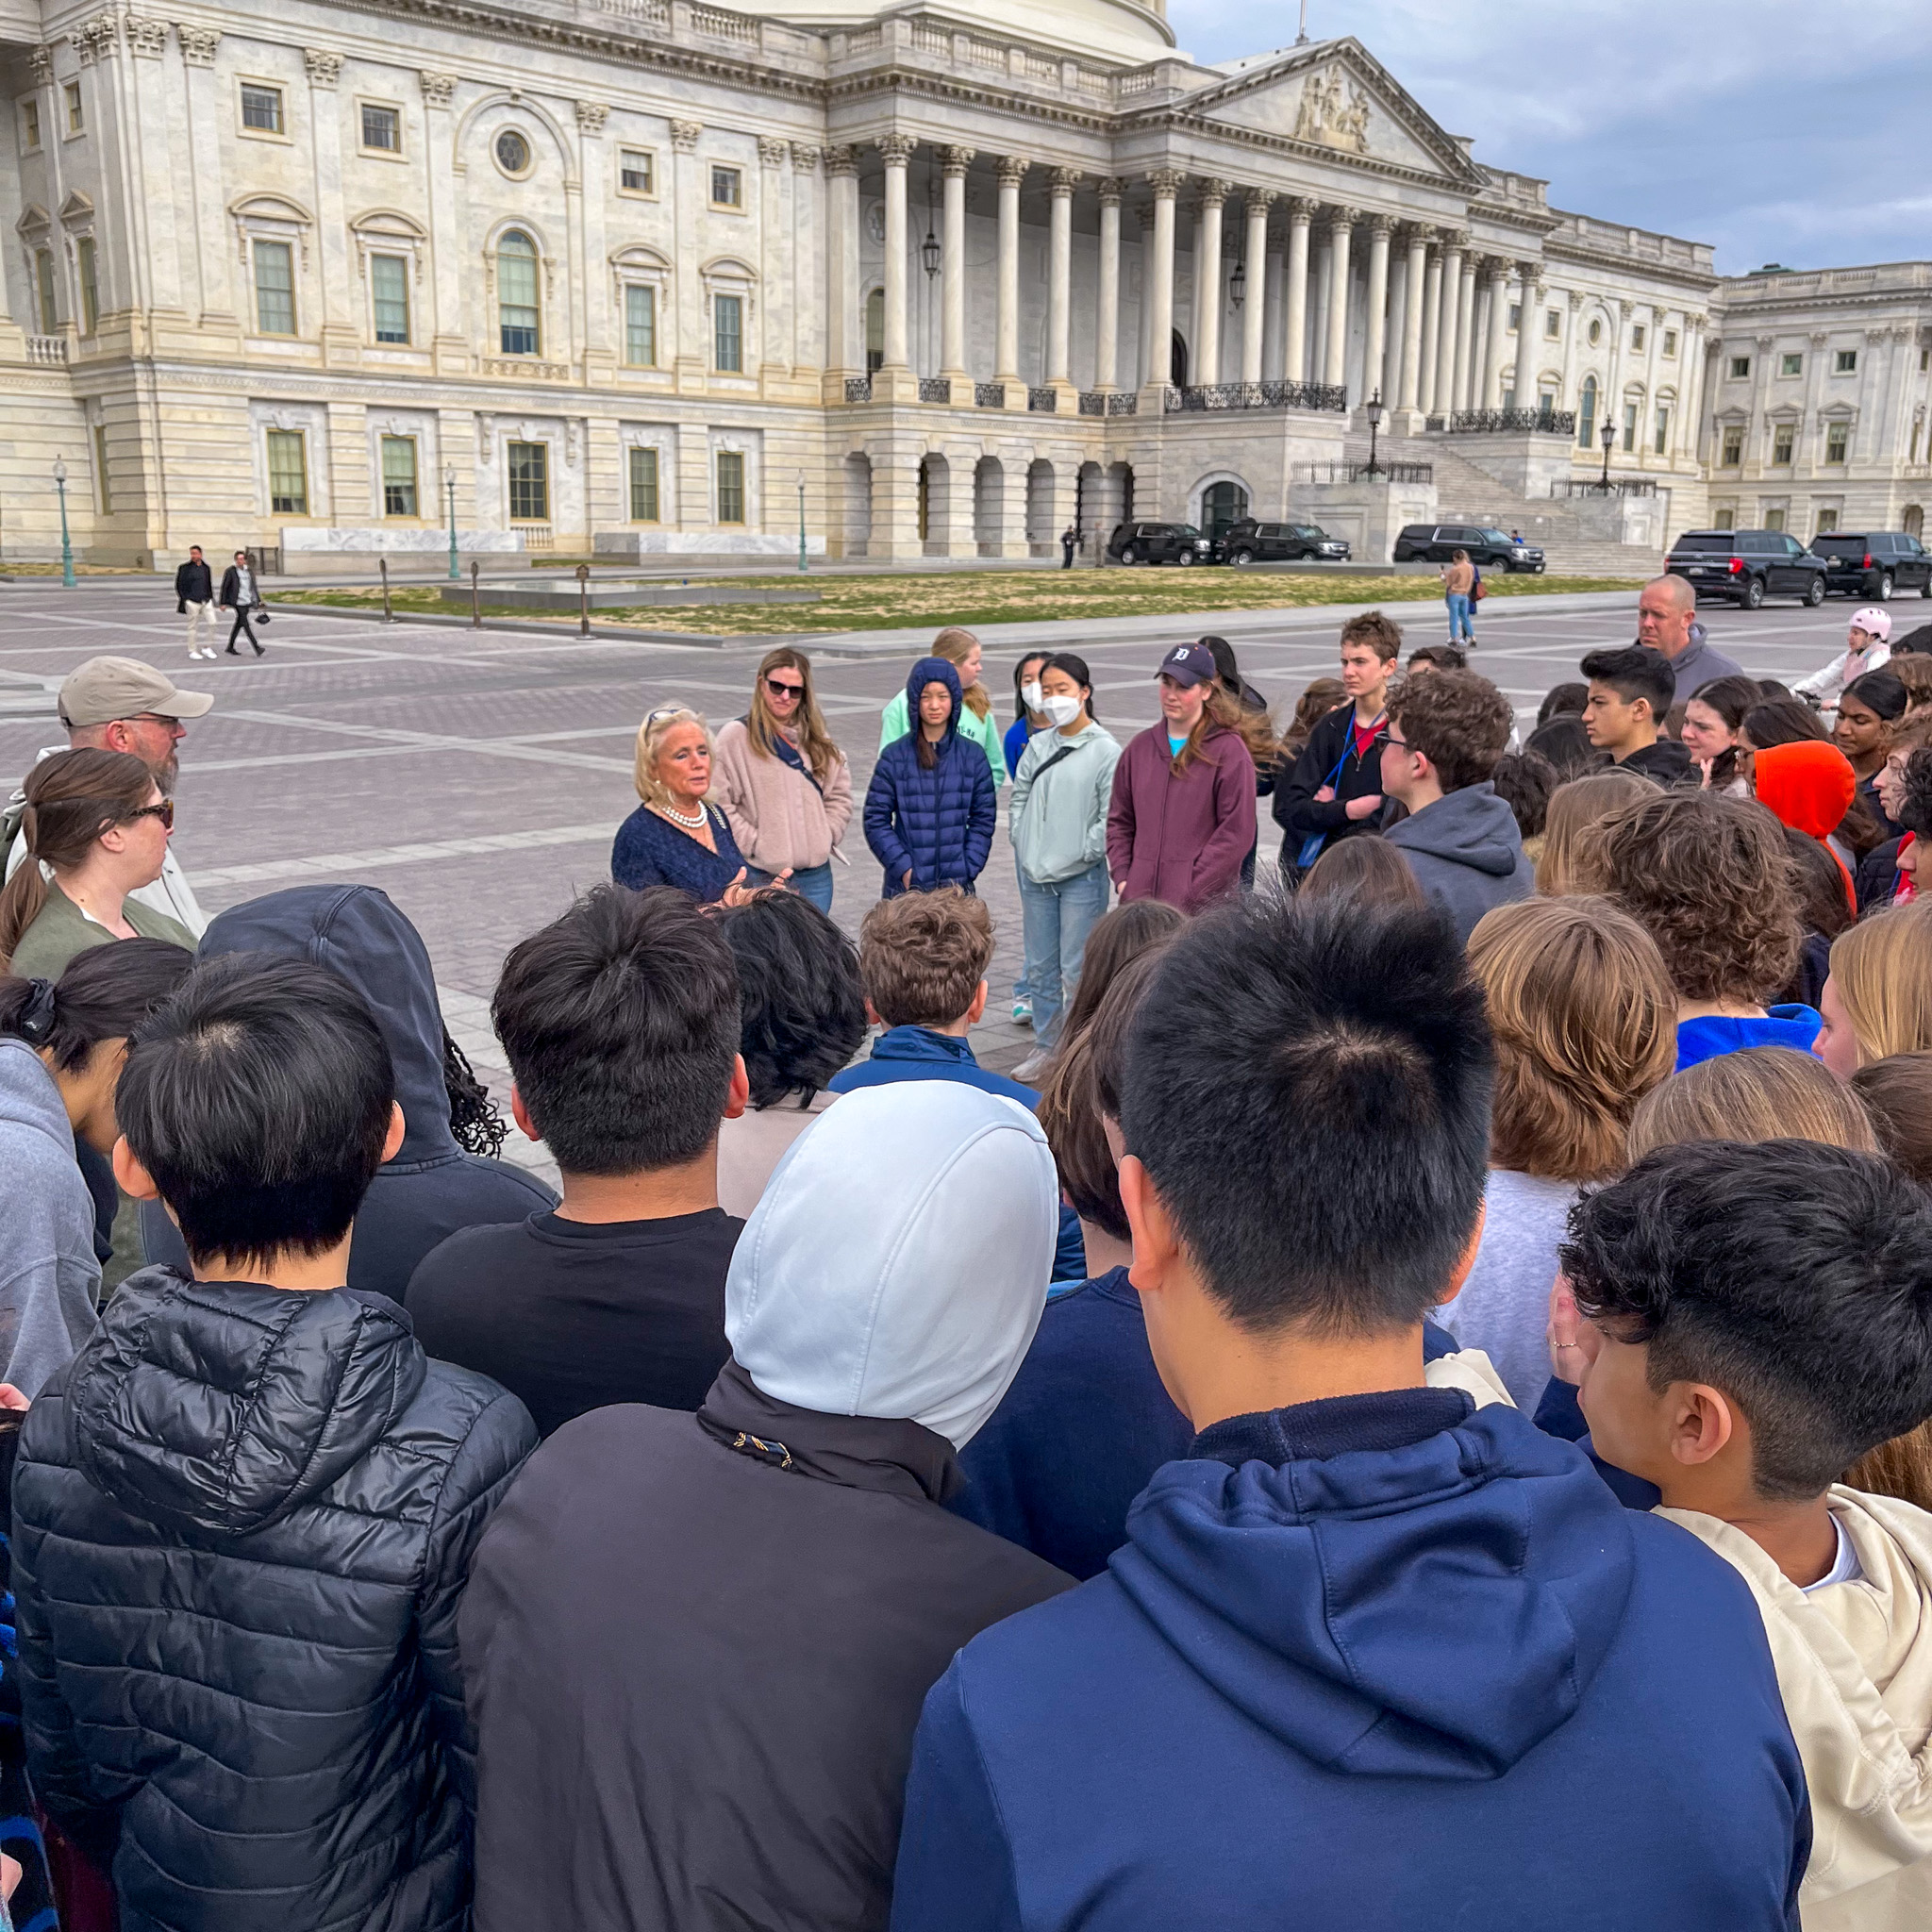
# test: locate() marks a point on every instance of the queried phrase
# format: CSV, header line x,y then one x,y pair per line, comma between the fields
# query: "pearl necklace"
x,y
692,824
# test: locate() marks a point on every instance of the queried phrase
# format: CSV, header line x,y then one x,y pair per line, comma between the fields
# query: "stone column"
x,y
809,349
214,237
1006,347
1408,390
1255,255
1335,358
1144,314
896,151
843,355
1207,281
1494,345
595,296
1106,336
1275,277
1526,334
691,328
1432,334
1294,359
1449,311
452,339
1166,184
1573,322
777,226
1614,401
954,160
1690,386
1376,334
1059,275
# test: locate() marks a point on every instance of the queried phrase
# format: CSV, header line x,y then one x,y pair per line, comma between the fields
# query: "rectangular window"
x,y
1733,447
44,290
1741,368
101,478
1783,440
636,170
1773,520
727,188
1661,443
1637,336
1515,317
389,291
382,129
529,482
1838,441
288,474
728,319
1845,362
261,108
1724,520
1669,341
1553,324
30,124
643,486
274,289
1629,438
77,118
730,487
90,285
1790,365
399,475
1827,523
641,327
518,317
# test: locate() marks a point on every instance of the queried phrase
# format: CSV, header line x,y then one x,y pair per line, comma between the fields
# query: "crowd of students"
x,y
1417,1409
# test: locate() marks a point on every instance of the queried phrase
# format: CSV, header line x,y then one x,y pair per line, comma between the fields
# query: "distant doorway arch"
x,y
1915,520
1223,503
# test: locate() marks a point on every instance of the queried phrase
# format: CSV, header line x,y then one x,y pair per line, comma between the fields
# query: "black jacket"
x,y
432,1187
1296,809
696,1688
1877,875
1667,761
231,589
194,583
243,1520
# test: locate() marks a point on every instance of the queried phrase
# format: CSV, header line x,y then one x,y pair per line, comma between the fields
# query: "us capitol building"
x,y
660,279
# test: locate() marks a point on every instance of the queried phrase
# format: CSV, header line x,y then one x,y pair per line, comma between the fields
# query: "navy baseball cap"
x,y
1188,665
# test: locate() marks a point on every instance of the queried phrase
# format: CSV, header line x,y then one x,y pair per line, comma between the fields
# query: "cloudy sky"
x,y
1773,130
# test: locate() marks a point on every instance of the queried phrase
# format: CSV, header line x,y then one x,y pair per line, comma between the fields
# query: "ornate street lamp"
x,y
66,544
1238,284
449,484
1609,437
1372,411
929,248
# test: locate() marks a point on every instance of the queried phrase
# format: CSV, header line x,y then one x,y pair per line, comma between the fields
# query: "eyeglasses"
x,y
781,690
665,711
1389,738
164,811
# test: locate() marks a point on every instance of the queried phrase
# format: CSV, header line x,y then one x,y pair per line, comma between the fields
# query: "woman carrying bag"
x,y
782,783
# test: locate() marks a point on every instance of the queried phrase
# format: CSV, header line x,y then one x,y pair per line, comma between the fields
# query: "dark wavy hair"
x,y
801,1005
105,993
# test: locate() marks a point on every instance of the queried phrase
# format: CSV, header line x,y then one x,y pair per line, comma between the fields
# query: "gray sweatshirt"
x,y
1465,851
48,1273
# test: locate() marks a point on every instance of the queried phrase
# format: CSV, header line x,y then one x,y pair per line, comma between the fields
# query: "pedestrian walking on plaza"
x,y
783,785
677,835
1058,828
243,595
194,597
120,703
961,650
1181,817
1459,592
1334,789
1070,541
930,810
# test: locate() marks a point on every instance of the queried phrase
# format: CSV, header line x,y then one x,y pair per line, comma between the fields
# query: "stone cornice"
x,y
1679,275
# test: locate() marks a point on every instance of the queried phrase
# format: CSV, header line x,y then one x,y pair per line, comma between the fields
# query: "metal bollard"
x,y
583,600
388,616
476,595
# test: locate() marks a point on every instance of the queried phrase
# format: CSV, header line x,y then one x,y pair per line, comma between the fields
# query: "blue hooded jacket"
x,y
937,823
1382,1661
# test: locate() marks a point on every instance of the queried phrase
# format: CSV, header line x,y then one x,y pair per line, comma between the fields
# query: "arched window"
x,y
517,313
1586,415
1223,503
876,329
1914,520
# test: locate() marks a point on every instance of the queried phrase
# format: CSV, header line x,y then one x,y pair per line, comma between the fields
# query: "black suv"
x,y
1249,542
1747,566
1159,543
1874,563
1439,543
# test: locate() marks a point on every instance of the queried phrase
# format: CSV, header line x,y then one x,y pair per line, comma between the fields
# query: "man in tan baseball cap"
x,y
120,703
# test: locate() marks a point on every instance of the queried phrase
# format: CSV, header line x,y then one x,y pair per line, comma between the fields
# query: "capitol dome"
x,y
1122,30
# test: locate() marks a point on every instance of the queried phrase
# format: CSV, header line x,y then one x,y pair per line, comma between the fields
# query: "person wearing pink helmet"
x,y
1868,647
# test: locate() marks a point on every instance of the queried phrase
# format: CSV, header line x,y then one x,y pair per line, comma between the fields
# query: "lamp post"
x,y
1238,283
801,522
449,484
1372,411
66,542
1609,437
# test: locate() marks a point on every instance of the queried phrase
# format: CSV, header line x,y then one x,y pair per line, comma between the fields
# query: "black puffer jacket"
x,y
243,1522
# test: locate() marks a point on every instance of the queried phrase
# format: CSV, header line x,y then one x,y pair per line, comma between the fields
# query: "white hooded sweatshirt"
x,y
1854,1664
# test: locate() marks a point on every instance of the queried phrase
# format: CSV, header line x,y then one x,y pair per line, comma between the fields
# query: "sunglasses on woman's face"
x,y
164,811
784,691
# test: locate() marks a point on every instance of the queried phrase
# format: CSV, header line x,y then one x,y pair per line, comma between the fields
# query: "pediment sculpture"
x,y
1334,113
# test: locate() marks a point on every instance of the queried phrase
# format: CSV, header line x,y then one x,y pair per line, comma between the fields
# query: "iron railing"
x,y
1124,402
859,389
1593,486
1258,395
1356,472
1044,402
989,395
1494,422
935,389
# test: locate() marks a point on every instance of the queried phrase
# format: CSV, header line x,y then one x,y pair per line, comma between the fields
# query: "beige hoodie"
x,y
1854,1664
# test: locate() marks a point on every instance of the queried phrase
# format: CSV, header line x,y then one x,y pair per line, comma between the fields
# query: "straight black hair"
x,y
1307,1085
1880,691
801,1005
258,1099
105,993
1026,657
1077,669
1560,700
1633,671
620,1022
1566,744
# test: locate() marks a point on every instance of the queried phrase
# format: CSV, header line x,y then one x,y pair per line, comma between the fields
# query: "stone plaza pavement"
x,y
478,776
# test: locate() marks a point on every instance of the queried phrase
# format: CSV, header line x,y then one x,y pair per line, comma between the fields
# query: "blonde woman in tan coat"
x,y
783,784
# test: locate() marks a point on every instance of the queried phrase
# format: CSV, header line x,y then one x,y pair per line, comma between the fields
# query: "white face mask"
x,y
1029,695
1061,709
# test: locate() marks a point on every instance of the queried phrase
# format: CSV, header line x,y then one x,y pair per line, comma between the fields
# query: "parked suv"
x,y
1439,543
1249,542
1748,566
1870,566
1159,543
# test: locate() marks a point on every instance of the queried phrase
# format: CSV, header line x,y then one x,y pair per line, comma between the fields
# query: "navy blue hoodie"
x,y
432,1187
1386,1661
935,822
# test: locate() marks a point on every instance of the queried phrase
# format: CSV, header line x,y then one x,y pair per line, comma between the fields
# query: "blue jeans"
x,y
1461,611
1023,986
814,883
1056,920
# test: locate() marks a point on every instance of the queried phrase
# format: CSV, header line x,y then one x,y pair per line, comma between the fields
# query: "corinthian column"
x,y
1256,257
1340,231
1059,273
1007,344
896,151
954,160
1432,334
1498,274
1107,334
1166,184
1374,347
1443,398
1414,309
1301,212
1207,299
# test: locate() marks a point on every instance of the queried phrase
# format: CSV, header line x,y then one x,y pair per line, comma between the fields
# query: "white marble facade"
x,y
660,278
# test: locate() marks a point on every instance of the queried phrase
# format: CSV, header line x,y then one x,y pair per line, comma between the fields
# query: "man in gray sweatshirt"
x,y
1448,733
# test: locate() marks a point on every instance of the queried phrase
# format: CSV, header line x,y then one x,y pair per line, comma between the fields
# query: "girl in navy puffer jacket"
x,y
929,811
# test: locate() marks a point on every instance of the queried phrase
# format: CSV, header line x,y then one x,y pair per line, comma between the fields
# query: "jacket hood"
x,y
932,671
220,1405
29,1095
1810,784
896,1265
1433,1610
1471,828
1855,1666
357,931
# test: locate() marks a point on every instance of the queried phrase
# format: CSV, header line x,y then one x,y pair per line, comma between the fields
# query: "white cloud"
x,y
1774,129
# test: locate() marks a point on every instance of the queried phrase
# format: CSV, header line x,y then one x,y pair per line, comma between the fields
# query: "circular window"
x,y
1596,329
512,152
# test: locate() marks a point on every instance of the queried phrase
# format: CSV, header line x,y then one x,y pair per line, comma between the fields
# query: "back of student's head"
x,y
1783,721
1584,1022
258,1099
1633,671
104,994
1709,878
1318,698
1780,1274
802,1010
1458,720
1370,871
1523,781
1563,700
1114,941
923,955
1763,1093
1897,1094
1565,742
620,1022
1438,657
1882,972
1819,885
1577,811
1308,1086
